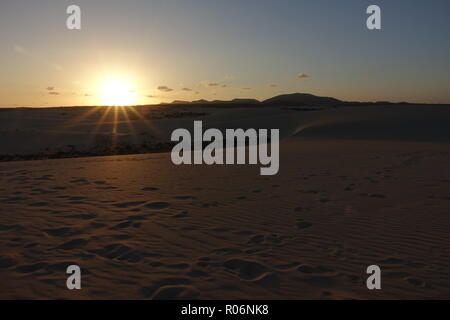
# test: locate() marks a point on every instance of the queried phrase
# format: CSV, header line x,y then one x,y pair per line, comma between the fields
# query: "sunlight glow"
x,y
117,92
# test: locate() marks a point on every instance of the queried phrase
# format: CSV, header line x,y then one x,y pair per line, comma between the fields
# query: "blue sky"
x,y
248,48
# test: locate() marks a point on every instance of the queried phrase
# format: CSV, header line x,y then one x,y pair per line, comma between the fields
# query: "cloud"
x,y
246,88
302,76
213,84
26,53
224,86
53,93
21,50
88,95
57,67
230,77
186,89
273,85
150,96
164,89
50,88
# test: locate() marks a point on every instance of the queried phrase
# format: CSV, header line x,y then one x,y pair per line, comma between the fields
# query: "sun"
x,y
117,92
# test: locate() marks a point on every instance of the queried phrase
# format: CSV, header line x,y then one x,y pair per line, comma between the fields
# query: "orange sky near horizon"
x,y
148,52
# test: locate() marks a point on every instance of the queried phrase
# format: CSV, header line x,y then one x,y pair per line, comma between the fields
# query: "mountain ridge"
x,y
282,100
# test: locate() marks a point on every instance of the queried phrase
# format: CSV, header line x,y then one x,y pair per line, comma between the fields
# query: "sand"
x,y
346,197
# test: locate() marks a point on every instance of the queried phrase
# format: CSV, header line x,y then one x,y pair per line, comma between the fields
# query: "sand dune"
x,y
139,227
49,131
407,123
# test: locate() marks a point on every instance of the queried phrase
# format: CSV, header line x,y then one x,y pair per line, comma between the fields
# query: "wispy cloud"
x,y
302,76
56,66
273,85
164,89
186,89
213,84
246,88
21,50
230,77
51,91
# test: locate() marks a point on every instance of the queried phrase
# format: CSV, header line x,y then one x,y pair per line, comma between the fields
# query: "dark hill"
x,y
302,99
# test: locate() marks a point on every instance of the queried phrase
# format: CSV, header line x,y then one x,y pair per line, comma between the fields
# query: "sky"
x,y
165,50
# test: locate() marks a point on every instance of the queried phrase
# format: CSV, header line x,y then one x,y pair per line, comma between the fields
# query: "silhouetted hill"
x,y
245,101
302,99
293,99
284,100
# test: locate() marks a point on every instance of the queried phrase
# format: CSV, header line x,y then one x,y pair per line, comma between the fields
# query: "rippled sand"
x,y
140,227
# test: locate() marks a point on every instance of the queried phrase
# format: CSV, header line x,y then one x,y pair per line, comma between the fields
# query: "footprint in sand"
x,y
30,268
226,251
196,273
301,224
158,287
79,181
273,239
181,215
211,204
269,280
122,225
178,266
396,275
46,177
287,266
59,188
83,216
61,232
220,229
97,225
391,261
120,252
311,192
6,262
73,244
416,282
150,189
304,268
176,292
76,198
203,262
142,216
157,205
320,281
377,195
254,272
128,204
256,239
15,227
187,197
39,204
247,270
121,237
